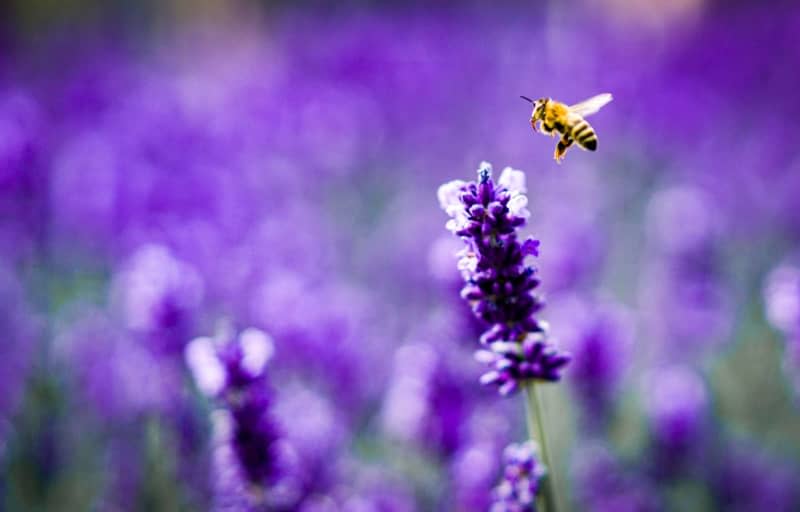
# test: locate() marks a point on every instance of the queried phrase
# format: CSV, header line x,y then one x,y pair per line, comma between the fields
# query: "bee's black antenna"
x,y
527,99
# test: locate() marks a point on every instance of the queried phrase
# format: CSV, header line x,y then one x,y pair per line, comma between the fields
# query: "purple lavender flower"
x,y
683,279
782,303
116,379
473,470
426,401
21,173
314,432
116,375
599,334
577,243
750,479
362,487
519,485
158,295
19,120
676,406
323,326
603,484
233,371
499,285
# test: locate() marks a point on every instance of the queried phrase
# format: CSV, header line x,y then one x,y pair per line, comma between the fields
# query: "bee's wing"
x,y
592,105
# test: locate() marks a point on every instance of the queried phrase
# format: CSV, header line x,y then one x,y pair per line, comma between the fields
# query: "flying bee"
x,y
550,116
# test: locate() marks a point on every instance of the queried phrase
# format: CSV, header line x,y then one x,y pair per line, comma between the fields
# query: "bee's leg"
x,y
561,148
533,125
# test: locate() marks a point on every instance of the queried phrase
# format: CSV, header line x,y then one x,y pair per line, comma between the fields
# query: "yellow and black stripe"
x,y
583,133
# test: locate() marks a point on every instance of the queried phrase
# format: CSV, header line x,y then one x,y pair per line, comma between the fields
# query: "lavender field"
x,y
275,256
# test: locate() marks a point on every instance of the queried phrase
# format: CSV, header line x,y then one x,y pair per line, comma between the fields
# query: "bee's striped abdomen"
x,y
584,135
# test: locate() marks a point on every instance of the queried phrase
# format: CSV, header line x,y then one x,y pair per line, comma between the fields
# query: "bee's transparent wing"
x,y
592,105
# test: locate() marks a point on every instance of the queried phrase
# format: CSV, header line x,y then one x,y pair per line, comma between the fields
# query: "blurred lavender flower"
x,y
362,487
522,471
683,277
499,285
159,296
603,485
577,240
425,402
323,328
474,469
676,406
782,302
682,220
314,433
232,369
122,385
83,181
20,120
21,174
748,479
117,377
599,334
17,348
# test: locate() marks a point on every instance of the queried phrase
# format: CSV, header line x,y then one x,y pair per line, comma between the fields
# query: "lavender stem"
x,y
547,498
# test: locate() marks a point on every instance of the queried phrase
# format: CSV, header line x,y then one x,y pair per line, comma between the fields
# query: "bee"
x,y
550,116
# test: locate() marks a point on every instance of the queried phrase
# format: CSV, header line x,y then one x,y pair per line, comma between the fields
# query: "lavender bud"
x,y
519,484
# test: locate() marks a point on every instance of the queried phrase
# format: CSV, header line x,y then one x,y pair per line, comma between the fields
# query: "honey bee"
x,y
550,117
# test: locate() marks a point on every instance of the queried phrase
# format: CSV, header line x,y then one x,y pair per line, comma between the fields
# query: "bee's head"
x,y
538,107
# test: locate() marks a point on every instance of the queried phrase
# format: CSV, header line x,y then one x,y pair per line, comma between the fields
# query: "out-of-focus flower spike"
x,y
232,368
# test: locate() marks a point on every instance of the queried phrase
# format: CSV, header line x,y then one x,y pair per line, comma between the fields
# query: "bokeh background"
x,y
169,165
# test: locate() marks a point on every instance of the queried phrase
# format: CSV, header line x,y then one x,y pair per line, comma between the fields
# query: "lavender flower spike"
x,y
498,284
519,485
232,370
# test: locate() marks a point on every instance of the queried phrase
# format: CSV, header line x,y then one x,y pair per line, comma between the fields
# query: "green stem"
x,y
546,500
